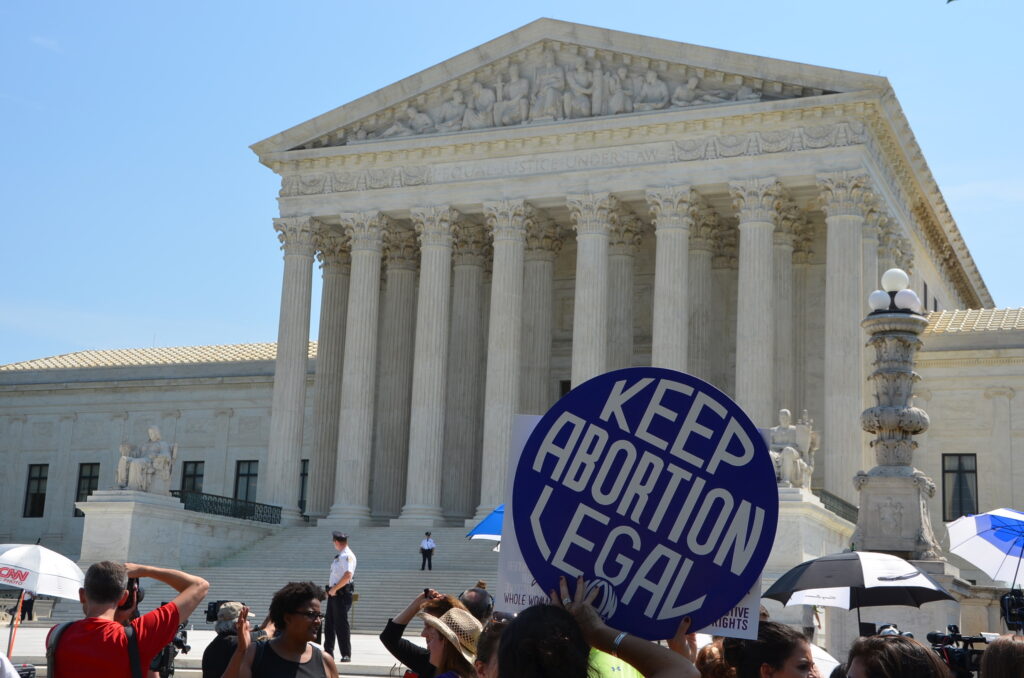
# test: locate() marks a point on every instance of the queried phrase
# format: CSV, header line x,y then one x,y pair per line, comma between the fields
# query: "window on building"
x,y
303,484
35,491
959,485
935,304
88,480
192,476
564,386
925,304
246,472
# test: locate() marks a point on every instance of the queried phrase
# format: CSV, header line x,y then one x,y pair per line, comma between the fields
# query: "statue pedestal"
x,y
807,530
894,513
132,526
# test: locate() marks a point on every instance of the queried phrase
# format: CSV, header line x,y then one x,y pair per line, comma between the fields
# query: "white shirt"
x,y
427,544
344,562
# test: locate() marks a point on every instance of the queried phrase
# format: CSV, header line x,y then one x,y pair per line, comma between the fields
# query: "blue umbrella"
x,y
992,541
489,527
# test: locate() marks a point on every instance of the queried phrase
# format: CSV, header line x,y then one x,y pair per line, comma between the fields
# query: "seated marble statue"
x,y
480,109
147,468
576,101
618,90
513,102
415,122
451,113
549,84
653,93
792,451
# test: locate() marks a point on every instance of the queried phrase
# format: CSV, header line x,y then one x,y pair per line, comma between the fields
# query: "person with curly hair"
x,y
711,661
295,612
554,641
894,657
778,652
1003,658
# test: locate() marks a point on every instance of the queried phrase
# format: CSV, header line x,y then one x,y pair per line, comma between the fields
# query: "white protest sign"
x,y
657,488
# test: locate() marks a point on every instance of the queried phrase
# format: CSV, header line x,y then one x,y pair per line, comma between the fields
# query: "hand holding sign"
x,y
654,486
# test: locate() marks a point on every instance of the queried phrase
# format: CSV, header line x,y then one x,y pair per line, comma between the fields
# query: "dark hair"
x,y
711,663
479,602
290,597
543,641
774,645
105,582
1003,657
895,657
435,607
488,639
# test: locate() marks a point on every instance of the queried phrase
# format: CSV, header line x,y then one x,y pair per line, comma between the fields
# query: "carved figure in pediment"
x,y
686,94
653,93
480,109
576,100
451,113
513,104
409,121
747,93
618,92
548,85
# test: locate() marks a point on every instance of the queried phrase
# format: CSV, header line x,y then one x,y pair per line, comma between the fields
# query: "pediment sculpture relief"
x,y
558,83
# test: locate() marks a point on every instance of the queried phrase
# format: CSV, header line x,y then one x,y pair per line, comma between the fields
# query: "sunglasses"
x,y
310,614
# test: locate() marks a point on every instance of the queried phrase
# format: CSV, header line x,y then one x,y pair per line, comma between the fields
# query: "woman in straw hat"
x,y
451,641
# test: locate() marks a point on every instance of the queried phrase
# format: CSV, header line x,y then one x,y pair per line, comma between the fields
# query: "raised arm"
x,y
240,665
191,589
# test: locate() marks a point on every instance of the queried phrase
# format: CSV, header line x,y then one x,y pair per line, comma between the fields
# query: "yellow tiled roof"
x,y
172,355
975,320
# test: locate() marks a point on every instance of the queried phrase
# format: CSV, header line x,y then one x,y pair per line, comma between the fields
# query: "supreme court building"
x,y
558,202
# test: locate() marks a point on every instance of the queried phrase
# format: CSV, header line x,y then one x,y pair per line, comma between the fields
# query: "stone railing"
x,y
837,505
228,506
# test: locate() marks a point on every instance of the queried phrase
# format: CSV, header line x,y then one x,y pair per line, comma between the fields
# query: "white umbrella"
x,y
992,541
37,568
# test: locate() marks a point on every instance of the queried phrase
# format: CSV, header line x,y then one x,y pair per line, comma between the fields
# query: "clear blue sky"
x,y
134,213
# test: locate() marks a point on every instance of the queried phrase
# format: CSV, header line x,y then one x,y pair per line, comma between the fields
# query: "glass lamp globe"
x,y
878,300
895,280
907,300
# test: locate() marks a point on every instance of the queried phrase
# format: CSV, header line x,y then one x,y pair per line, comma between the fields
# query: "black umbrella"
x,y
854,580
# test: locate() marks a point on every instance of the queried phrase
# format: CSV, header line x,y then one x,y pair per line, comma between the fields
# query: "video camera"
x,y
1011,609
163,662
213,608
957,651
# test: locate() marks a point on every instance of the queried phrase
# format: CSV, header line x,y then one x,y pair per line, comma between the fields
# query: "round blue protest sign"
x,y
658,489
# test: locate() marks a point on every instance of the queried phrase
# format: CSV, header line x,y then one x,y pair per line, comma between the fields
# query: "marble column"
x,y
463,429
543,242
784,239
359,370
332,250
756,201
845,198
673,209
288,405
724,264
871,280
394,372
592,216
624,238
430,367
700,289
507,221
801,354
1000,455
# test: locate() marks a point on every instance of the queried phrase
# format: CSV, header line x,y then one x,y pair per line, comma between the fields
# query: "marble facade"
x,y
701,210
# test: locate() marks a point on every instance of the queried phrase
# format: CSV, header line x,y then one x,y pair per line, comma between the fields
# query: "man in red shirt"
x,y
97,646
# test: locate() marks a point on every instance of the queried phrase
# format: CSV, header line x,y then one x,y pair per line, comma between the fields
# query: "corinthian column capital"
x,y
592,213
400,250
756,199
625,234
434,225
791,220
471,243
543,238
673,206
508,219
332,249
845,194
297,234
365,230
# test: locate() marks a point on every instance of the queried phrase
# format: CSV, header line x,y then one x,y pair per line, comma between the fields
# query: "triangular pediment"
x,y
551,71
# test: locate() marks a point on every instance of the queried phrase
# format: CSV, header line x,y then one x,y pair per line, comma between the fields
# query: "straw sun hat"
x,y
459,627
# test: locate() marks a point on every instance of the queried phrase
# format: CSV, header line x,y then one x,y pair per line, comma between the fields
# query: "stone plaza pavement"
x,y
369,656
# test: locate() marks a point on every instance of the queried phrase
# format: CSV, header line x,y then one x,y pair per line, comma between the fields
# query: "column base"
x,y
292,517
346,515
414,515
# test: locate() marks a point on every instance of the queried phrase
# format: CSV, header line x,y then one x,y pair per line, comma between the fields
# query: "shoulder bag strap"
x,y
51,648
133,651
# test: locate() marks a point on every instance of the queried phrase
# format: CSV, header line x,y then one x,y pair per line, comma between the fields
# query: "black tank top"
x,y
269,664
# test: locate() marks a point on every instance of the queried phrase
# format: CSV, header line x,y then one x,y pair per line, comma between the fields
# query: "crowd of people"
x,y
464,636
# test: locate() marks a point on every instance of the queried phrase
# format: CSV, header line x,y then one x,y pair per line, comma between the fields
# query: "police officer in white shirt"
x,y
339,598
427,551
